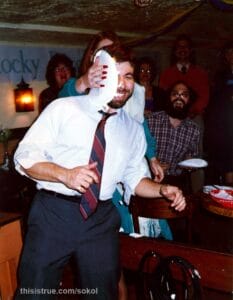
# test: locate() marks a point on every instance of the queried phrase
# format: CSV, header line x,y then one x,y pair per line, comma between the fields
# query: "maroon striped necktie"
x,y
89,200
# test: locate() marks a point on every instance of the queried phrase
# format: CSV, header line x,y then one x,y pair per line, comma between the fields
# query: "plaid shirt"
x,y
174,144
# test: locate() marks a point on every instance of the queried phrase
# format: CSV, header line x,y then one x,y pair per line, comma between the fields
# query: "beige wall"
x,y
13,67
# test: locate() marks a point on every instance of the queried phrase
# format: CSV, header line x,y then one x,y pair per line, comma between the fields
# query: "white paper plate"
x,y
105,94
193,163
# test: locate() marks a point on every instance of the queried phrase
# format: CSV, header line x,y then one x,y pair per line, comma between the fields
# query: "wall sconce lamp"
x,y
24,100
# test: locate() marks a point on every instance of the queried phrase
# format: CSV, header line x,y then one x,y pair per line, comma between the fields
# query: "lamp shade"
x,y
24,100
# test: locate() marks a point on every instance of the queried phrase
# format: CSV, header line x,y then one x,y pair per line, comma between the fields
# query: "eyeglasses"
x,y
182,95
145,71
61,69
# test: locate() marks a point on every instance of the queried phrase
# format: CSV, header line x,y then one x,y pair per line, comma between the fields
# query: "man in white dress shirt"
x,y
55,153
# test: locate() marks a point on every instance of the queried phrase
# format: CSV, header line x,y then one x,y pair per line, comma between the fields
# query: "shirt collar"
x,y
89,104
179,66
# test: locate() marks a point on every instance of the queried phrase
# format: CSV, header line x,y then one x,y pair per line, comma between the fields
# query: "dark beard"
x,y
179,113
116,105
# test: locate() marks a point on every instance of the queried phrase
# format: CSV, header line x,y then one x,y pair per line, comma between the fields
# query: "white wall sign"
x,y
30,63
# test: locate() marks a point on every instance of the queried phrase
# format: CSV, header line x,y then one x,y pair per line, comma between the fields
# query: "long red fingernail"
x,y
103,77
102,85
104,72
105,66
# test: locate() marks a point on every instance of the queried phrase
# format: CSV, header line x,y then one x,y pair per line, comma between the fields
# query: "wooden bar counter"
x,y
10,249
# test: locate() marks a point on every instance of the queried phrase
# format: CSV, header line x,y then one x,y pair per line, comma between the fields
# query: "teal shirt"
x,y
151,142
69,89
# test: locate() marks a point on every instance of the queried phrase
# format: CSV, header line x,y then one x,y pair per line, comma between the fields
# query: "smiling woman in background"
x,y
145,74
59,70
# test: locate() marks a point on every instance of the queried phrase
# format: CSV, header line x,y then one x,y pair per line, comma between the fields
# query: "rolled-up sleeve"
x,y
26,156
33,148
137,167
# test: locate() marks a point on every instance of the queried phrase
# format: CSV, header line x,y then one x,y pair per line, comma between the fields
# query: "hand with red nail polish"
x,y
94,76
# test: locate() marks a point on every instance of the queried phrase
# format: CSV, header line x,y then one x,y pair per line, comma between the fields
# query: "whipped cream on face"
x,y
119,94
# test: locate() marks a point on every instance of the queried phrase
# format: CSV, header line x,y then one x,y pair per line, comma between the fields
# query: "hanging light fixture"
x,y
143,3
24,100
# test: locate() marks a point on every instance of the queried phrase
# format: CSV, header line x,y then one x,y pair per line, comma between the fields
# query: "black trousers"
x,y
57,232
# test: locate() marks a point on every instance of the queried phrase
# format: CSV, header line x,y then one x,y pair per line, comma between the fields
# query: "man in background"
x,y
184,68
177,135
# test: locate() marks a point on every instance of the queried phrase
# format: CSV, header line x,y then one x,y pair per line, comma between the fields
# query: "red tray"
x,y
224,202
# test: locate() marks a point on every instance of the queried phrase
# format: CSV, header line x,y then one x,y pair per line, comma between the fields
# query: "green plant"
x,y
5,134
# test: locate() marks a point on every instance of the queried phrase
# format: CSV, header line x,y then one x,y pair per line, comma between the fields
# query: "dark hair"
x,y
120,53
55,60
91,48
182,37
192,94
145,60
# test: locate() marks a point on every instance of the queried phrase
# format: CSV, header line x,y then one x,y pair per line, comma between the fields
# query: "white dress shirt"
x,y
180,66
63,134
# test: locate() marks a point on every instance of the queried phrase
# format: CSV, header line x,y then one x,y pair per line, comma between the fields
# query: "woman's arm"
x,y
69,89
80,86
155,166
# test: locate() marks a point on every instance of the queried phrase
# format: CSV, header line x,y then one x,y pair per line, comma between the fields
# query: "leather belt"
x,y
75,199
